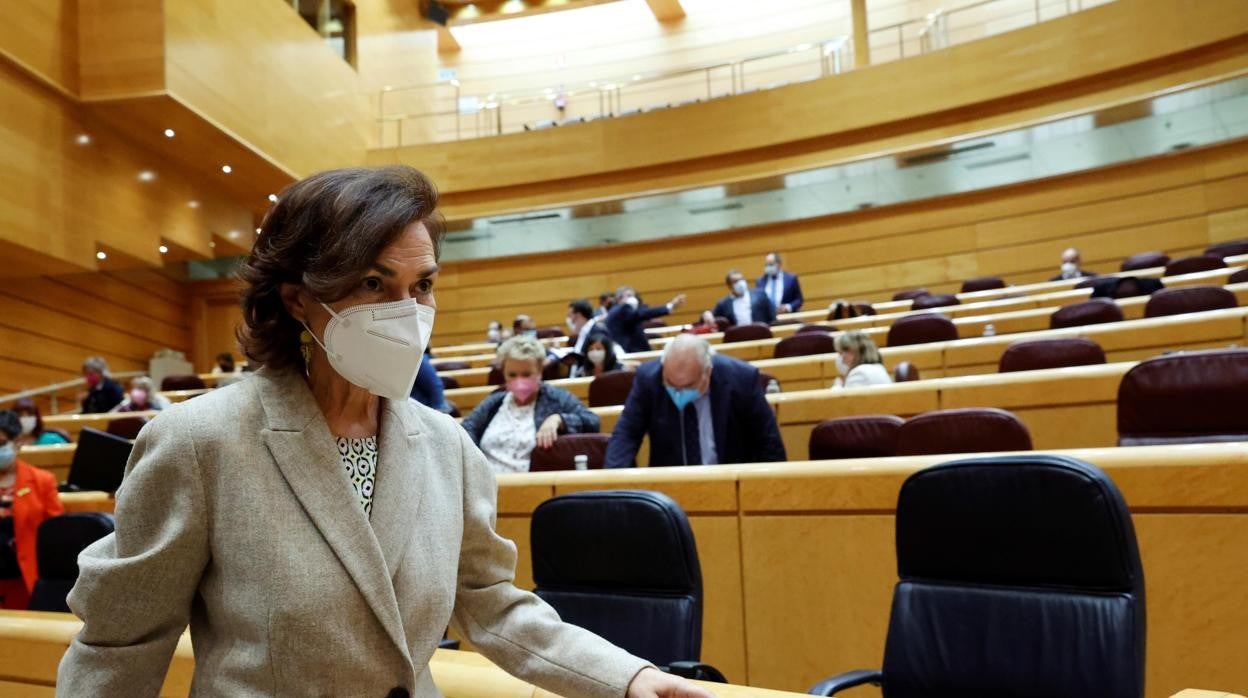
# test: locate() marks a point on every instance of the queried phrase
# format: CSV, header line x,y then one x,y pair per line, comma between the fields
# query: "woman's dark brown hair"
x,y
325,232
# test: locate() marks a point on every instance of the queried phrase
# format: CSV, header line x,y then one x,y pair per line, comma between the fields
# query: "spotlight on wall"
x,y
227,169
170,133
101,255
164,249
82,139
193,203
146,176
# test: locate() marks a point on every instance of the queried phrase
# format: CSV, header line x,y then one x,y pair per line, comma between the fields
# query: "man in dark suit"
x,y
744,305
698,409
625,320
781,287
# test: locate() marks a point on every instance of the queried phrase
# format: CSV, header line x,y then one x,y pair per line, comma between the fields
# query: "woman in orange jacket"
x,y
28,496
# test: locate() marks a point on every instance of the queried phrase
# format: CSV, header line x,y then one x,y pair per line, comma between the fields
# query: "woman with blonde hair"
x,y
529,414
858,360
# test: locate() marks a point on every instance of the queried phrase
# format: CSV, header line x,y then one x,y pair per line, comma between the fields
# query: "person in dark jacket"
x,y
529,414
103,393
782,288
698,409
625,321
744,305
428,388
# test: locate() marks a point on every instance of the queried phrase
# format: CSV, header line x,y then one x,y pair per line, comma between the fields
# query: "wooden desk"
x,y
798,561
32,644
74,423
778,541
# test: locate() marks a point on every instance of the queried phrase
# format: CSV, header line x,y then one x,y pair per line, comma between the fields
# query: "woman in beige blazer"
x,y
316,529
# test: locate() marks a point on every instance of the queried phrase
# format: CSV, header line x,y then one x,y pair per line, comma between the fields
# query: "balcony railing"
x,y
444,111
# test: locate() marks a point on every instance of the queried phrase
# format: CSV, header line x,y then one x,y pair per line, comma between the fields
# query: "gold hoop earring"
x,y
305,348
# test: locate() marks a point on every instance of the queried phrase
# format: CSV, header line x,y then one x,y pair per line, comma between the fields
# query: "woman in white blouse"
x,y
529,414
858,360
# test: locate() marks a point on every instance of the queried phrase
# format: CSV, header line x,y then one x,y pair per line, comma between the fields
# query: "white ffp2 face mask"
x,y
379,346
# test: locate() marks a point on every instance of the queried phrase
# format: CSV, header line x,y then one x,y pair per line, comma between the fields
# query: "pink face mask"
x,y
138,396
522,388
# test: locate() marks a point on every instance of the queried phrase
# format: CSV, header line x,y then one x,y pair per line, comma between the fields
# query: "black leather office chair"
x,y
1020,577
58,543
623,564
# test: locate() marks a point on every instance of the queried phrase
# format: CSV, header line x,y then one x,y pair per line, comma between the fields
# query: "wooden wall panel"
x,y
50,324
1029,62
42,37
304,109
1172,203
72,183
121,48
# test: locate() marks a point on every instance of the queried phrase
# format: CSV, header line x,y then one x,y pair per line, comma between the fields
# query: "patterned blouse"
x,y
359,457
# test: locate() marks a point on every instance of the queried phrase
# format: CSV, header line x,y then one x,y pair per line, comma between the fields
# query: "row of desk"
x,y
798,562
1063,408
1126,340
1009,316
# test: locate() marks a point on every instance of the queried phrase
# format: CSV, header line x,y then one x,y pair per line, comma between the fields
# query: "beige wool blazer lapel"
x,y
306,454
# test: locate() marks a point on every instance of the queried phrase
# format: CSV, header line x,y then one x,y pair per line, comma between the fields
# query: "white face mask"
x,y
841,367
28,424
770,269
631,301
571,325
493,335
597,356
8,454
740,288
1069,268
379,346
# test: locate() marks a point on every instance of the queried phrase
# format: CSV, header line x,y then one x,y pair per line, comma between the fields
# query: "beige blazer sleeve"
x,y
514,628
128,638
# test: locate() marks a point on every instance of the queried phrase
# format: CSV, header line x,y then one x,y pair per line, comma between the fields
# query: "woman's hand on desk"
x,y
652,683
549,431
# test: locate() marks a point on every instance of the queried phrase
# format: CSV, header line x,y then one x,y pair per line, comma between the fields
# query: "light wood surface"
x,y
801,554
32,643
816,544
1029,62
42,37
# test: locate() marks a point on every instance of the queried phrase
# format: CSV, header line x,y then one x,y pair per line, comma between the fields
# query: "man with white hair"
x,y
698,408
1072,268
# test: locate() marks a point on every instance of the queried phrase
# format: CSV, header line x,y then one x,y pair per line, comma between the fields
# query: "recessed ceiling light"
x,y
101,255
83,139
170,133
164,249
193,203
146,175
257,231
273,198
233,234
212,244
227,169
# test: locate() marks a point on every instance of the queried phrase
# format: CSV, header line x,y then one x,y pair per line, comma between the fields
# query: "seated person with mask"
x,y
529,414
698,408
523,326
744,305
1071,269
599,356
858,361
